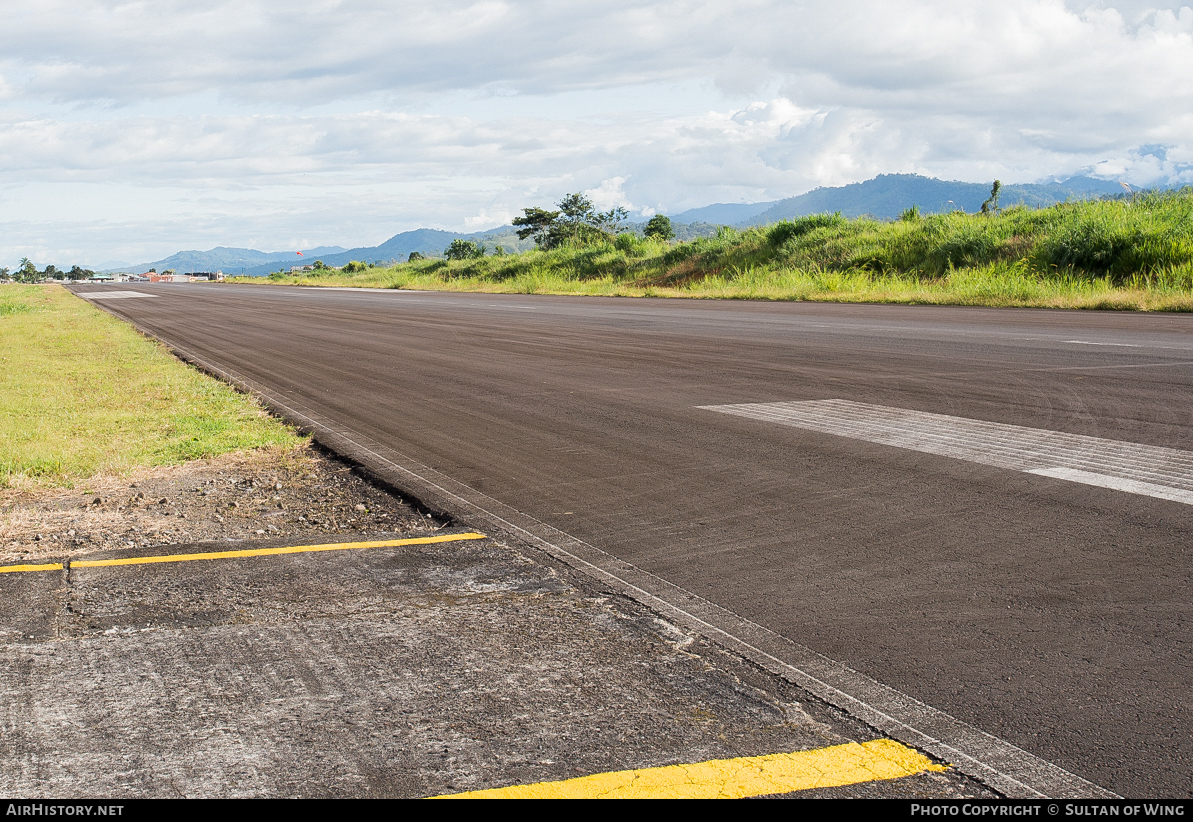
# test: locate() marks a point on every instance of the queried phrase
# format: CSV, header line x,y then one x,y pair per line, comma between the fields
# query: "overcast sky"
x,y
130,130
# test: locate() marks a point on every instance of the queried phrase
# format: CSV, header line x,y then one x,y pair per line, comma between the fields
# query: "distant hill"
x,y
884,197
722,213
887,195
427,241
219,259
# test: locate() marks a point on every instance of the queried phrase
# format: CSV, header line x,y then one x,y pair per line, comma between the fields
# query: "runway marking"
x,y
739,778
111,295
1118,345
247,552
1147,470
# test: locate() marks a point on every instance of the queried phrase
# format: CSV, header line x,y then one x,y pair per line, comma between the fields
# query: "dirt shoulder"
x,y
299,493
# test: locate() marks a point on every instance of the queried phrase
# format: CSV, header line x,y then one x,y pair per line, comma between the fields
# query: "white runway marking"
x,y
112,295
1165,473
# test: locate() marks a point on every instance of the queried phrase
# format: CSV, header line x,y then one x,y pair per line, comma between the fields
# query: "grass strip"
x,y
84,393
1127,254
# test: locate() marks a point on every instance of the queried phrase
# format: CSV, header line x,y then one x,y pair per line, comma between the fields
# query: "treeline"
x,y
575,223
26,272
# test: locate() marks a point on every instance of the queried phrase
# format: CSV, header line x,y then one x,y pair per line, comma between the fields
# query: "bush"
x,y
970,245
464,250
1093,245
354,266
785,230
659,226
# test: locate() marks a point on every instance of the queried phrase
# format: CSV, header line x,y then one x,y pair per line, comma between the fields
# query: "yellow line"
x,y
249,552
734,778
11,569
268,552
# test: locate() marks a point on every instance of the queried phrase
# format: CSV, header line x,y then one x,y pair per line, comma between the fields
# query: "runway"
x,y
852,478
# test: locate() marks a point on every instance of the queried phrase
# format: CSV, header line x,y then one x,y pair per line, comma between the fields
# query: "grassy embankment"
x,y
85,394
1119,254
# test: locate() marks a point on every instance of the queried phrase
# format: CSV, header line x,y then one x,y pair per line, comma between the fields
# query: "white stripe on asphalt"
x,y
1130,486
1148,470
1119,345
111,295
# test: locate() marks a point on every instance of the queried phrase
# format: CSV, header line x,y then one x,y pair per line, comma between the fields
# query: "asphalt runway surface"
x,y
1048,611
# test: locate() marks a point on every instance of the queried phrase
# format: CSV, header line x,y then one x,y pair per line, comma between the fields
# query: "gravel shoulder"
x,y
298,493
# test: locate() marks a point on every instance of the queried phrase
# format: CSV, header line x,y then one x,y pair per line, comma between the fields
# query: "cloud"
x,y
236,123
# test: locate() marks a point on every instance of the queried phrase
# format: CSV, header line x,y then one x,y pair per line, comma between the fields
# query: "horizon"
x,y
118,266
130,131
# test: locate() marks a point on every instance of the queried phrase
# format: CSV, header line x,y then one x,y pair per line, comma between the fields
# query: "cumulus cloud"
x,y
244,121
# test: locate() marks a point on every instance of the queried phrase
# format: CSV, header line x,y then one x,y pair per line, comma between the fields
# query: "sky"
x,y
131,130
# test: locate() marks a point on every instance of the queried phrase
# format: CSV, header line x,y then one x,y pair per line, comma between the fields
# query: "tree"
x,y
536,223
576,223
464,250
27,273
414,255
991,204
583,222
659,226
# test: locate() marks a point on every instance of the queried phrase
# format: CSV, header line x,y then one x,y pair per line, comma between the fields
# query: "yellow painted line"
x,y
15,569
249,552
269,552
734,778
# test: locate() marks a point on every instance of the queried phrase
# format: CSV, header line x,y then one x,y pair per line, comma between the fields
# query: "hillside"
x,y
1132,253
888,195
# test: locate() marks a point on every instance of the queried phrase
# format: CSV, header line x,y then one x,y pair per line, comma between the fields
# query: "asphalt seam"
x,y
1004,767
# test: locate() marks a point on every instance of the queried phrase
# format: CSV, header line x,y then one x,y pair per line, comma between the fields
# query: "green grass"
x,y
85,394
1120,254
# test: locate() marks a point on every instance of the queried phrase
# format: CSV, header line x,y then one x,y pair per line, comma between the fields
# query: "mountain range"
x,y
883,197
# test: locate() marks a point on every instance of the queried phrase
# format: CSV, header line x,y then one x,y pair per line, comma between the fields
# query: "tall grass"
x,y
84,393
1090,254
